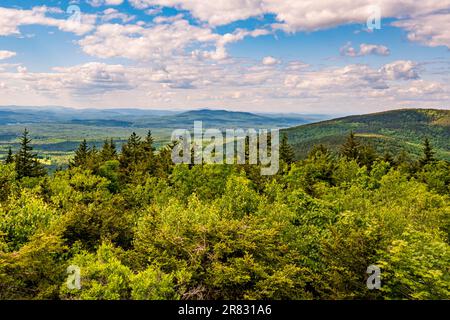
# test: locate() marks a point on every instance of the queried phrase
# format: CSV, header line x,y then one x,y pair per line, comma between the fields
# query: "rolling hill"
x,y
394,130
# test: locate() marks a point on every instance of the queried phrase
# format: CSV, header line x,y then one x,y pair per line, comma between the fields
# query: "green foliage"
x,y
428,153
103,276
139,227
23,217
7,178
81,155
416,266
26,162
286,151
391,131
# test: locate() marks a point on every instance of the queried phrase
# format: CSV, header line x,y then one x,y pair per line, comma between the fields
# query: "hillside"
x,y
395,130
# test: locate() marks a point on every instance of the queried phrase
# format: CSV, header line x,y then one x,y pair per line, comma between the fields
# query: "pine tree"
x,y
149,141
351,148
428,153
93,159
27,164
9,158
149,150
286,151
81,155
108,151
131,151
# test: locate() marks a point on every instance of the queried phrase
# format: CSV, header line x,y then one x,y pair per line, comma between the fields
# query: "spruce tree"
x,y
428,153
149,150
9,158
351,148
27,164
81,155
286,151
131,151
149,141
108,151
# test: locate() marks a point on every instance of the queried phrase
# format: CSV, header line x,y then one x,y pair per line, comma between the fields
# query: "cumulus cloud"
x,y
364,50
427,21
183,81
98,3
140,43
166,37
294,15
431,30
11,19
351,79
270,61
113,14
400,70
87,79
5,54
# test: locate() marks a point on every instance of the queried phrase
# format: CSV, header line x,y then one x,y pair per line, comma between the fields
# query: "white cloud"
x,y
431,30
185,82
113,14
215,12
5,54
98,3
166,37
11,19
400,70
137,42
364,50
297,15
270,61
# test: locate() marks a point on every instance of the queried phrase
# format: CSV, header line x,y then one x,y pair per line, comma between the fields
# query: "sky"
x,y
302,56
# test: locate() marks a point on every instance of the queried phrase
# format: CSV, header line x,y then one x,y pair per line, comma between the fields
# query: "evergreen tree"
x,y
131,151
9,158
26,161
367,156
286,151
81,155
318,151
93,159
149,141
149,150
428,153
108,151
351,148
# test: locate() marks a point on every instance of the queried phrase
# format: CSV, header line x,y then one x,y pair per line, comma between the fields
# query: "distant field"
x,y
57,132
55,143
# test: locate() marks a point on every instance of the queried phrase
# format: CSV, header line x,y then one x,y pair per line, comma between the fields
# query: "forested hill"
x,y
392,131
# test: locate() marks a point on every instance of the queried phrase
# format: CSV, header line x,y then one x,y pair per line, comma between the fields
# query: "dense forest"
x,y
394,131
139,227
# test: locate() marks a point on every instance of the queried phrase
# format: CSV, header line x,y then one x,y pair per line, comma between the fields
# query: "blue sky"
x,y
250,55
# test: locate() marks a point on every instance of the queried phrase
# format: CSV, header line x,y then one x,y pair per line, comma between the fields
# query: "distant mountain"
x,y
17,115
139,118
57,131
396,130
229,119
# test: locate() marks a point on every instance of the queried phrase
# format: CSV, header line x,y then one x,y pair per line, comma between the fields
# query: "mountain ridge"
x,y
394,130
